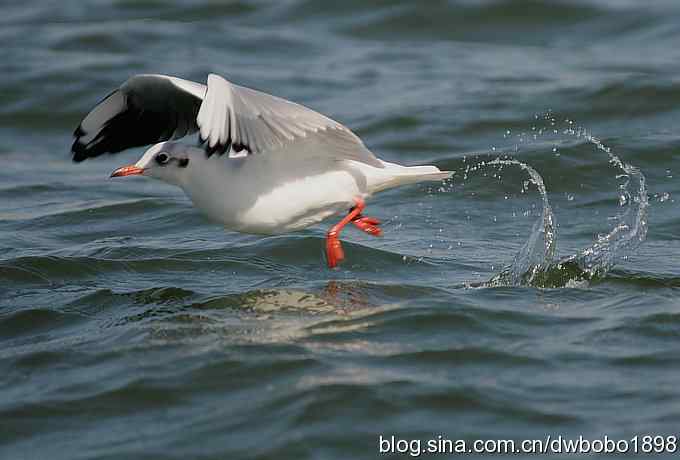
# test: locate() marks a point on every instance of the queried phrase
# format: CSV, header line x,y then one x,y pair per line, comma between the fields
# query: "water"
x,y
534,294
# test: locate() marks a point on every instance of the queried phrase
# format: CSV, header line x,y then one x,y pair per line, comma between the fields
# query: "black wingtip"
x,y
145,110
212,150
78,151
224,148
219,148
206,146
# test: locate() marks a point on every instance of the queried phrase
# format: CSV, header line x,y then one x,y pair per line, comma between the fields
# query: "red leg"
x,y
334,252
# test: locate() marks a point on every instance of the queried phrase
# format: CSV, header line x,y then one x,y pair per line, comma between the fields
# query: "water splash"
x,y
538,252
535,263
631,223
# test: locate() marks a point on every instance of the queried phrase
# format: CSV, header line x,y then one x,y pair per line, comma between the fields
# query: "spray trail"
x,y
535,264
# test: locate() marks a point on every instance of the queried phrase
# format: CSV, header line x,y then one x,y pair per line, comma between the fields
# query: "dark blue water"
x,y
131,327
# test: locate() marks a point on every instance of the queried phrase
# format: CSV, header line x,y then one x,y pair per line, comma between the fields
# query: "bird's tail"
x,y
396,175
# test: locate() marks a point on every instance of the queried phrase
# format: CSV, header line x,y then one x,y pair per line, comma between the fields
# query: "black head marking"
x,y
162,158
183,162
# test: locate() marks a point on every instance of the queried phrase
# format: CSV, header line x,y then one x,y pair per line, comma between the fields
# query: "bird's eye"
x,y
162,158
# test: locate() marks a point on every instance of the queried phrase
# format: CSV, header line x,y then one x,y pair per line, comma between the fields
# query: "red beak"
x,y
128,171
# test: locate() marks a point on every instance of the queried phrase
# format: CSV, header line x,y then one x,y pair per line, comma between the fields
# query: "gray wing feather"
x,y
151,108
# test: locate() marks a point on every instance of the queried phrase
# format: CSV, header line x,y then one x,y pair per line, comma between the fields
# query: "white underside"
x,y
269,194
300,203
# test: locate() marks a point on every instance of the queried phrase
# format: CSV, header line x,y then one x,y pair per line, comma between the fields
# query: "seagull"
x,y
263,164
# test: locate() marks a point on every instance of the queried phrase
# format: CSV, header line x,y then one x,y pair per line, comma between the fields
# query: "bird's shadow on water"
x,y
170,315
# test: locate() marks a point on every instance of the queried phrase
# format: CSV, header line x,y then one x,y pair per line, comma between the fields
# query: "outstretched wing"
x,y
153,108
146,109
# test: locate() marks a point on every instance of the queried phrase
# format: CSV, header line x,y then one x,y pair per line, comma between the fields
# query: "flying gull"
x,y
263,165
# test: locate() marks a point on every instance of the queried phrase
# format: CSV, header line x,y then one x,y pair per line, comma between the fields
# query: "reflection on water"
x,y
335,297
262,315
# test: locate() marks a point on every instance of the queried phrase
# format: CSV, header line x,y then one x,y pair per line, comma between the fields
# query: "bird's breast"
x,y
299,203
269,197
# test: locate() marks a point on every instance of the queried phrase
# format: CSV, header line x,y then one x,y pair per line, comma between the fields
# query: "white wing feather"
x,y
233,115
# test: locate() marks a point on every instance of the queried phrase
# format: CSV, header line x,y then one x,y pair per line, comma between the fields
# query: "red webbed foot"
x,y
334,252
369,225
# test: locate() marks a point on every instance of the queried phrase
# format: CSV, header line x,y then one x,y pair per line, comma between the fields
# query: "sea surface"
x,y
535,294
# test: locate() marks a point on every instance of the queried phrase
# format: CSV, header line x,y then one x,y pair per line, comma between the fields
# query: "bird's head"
x,y
167,161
